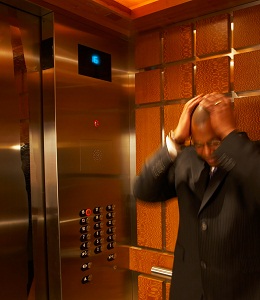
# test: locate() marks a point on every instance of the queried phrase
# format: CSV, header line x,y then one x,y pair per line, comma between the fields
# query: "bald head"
x,y
200,122
199,116
203,136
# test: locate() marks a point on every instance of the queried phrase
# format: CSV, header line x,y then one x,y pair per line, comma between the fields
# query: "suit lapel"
x,y
212,186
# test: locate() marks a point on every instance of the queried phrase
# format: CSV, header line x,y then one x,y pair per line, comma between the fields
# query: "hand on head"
x,y
182,131
221,113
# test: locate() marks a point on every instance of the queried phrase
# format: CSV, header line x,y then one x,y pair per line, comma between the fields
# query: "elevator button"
x,y
82,213
97,218
85,246
98,226
98,242
86,266
98,234
111,223
85,237
110,207
84,254
111,245
83,221
110,215
83,229
111,230
111,238
86,279
111,257
98,249
97,210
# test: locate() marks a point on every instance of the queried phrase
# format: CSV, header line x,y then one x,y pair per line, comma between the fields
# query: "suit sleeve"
x,y
156,180
242,156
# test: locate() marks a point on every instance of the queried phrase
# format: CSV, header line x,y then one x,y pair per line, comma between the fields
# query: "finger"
x,y
214,101
192,103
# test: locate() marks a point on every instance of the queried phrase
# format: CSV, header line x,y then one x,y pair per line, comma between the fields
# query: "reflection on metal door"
x,y
20,83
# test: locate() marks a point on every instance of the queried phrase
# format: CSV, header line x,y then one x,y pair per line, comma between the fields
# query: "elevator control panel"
x,y
97,235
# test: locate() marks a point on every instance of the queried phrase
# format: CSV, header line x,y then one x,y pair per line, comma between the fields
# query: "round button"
x,y
97,218
110,207
84,254
203,265
86,279
204,226
98,210
86,266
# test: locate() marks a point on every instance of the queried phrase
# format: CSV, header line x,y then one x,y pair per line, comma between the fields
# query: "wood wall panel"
x,y
178,81
172,223
149,288
213,75
178,43
247,71
246,27
149,224
147,86
148,50
172,114
168,286
213,35
142,260
148,134
181,81
247,115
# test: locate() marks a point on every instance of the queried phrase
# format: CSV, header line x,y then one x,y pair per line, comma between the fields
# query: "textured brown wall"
x,y
173,65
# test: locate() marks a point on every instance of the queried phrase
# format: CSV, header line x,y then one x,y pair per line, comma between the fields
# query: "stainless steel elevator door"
x,y
20,84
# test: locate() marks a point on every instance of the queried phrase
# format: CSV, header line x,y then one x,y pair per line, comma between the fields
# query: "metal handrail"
x,y
161,271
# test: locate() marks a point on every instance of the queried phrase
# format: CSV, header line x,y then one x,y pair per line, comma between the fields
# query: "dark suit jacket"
x,y
217,253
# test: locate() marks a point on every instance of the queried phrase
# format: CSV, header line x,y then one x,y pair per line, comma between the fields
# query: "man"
x,y
217,253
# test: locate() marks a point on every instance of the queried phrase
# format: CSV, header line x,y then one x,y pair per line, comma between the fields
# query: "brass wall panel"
x,y
247,115
213,75
172,114
149,288
212,35
246,27
148,50
178,81
178,43
142,260
245,80
148,134
147,86
149,234
171,223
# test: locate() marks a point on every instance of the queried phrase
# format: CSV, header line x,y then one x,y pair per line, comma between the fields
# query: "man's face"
x,y
205,142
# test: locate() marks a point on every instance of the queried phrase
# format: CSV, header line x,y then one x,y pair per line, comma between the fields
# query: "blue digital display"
x,y
94,63
95,59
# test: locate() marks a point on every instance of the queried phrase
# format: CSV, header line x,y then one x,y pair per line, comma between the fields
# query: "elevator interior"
x,y
68,156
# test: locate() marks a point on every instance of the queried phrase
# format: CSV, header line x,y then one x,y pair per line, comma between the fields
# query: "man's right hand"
x,y
182,131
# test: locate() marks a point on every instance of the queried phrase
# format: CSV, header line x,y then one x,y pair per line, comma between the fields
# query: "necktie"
x,y
212,172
